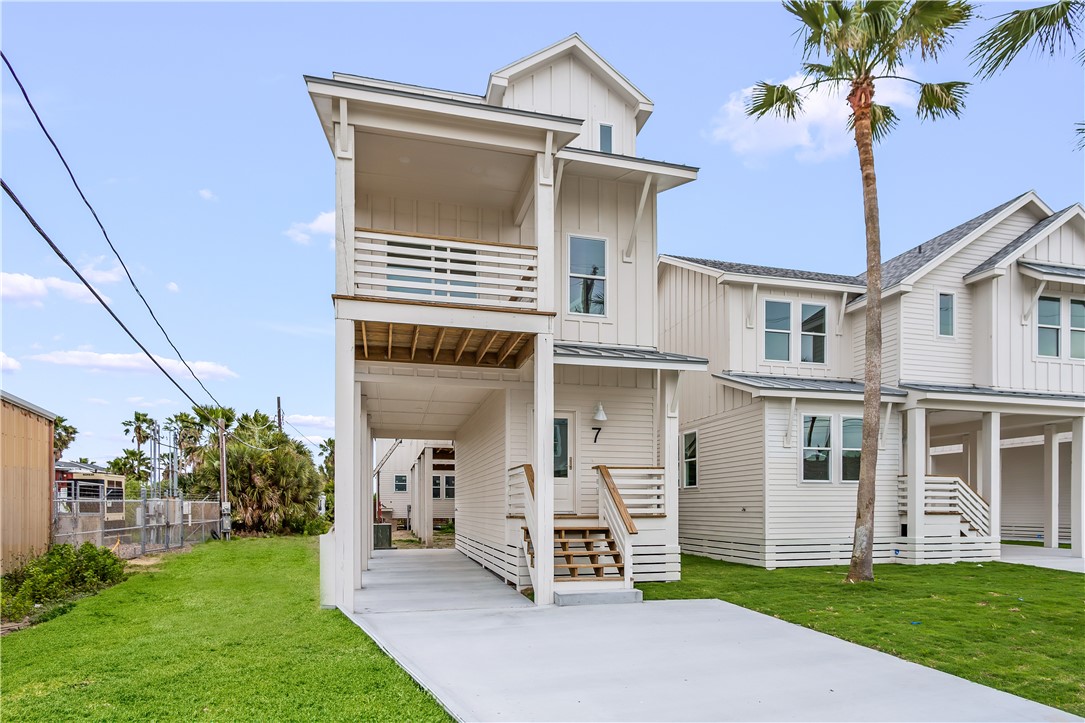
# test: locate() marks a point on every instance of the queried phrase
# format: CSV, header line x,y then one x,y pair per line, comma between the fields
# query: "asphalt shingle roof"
x,y
1000,255
805,384
752,270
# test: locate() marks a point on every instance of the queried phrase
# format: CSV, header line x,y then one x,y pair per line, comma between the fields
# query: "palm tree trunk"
x,y
862,555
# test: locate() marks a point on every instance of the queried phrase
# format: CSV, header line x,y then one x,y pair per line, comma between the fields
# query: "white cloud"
x,y
817,133
145,402
99,276
96,361
311,420
322,225
172,286
207,194
9,364
97,400
27,289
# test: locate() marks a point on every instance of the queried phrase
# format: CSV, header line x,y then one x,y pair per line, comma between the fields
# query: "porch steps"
x,y
585,553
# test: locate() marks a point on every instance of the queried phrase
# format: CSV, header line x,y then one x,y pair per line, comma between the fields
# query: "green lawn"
x,y
1016,628
230,631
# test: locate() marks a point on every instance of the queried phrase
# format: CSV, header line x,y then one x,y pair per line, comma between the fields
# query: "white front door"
x,y
564,463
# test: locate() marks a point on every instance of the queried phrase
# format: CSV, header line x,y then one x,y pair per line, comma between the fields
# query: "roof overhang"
x,y
22,403
860,303
627,169
987,400
756,390
1073,214
1054,273
731,277
626,358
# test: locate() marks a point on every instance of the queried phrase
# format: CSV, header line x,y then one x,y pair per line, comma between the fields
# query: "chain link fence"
x,y
131,527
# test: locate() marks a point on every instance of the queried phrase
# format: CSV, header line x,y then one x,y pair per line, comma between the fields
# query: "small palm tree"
x,y
63,436
863,44
139,428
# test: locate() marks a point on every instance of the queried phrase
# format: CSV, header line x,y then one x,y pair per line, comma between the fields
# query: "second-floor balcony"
x,y
459,272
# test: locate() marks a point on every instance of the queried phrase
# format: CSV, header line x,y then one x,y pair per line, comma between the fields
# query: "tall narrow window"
x,y
436,486
945,315
851,442
400,483
689,459
606,138
450,487
813,334
587,276
1077,329
816,447
1048,326
778,330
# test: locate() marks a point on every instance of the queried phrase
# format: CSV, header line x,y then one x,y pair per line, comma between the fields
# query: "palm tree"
x,y
133,464
863,44
63,436
189,434
139,428
1046,28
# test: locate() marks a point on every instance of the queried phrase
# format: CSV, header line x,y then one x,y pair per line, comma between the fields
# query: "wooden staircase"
x,y
583,553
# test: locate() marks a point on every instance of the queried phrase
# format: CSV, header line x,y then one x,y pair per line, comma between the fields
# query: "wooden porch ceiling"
x,y
383,341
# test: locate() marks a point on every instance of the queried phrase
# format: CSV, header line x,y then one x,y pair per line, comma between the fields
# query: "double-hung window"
x,y
945,314
400,483
817,447
778,330
1048,326
450,487
1077,329
689,459
851,443
587,275
813,334
436,486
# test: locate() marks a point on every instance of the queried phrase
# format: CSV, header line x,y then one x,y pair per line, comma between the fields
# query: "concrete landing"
x,y
602,597
1055,559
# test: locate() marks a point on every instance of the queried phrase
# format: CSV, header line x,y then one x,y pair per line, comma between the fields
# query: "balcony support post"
x,y
344,202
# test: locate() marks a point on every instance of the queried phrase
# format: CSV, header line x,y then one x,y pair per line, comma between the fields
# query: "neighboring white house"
x,y
496,286
416,483
983,398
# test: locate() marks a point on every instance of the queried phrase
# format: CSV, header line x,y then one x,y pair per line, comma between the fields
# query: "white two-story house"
x,y
496,286
983,397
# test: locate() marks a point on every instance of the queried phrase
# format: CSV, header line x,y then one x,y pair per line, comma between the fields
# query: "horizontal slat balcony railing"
x,y
412,268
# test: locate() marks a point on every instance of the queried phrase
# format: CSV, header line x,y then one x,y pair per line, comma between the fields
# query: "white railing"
x,y
517,489
613,513
643,489
409,267
524,478
950,496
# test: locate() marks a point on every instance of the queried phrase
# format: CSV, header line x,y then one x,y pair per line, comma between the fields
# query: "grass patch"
x,y
231,631
1012,627
1034,543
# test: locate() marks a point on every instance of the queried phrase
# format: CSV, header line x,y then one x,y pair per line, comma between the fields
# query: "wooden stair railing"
x,y
613,513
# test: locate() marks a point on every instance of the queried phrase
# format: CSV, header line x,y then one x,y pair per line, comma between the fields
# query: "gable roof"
x,y
773,272
1023,242
573,45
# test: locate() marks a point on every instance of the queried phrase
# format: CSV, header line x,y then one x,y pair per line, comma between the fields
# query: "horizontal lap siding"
x,y
1023,509
724,516
891,347
481,463
810,512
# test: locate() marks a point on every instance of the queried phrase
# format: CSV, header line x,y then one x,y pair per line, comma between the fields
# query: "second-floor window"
x,y
945,314
1077,329
780,331
1048,326
689,459
400,483
606,138
436,486
587,275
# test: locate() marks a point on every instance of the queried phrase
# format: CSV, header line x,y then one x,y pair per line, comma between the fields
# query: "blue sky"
x,y
189,127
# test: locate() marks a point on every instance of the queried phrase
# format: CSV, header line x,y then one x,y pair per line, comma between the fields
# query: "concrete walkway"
x,y
492,658
1056,559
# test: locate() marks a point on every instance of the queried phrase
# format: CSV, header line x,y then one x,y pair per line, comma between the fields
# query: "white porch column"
x,y
1051,486
915,465
543,463
1077,481
364,456
991,468
425,527
670,443
344,202
347,521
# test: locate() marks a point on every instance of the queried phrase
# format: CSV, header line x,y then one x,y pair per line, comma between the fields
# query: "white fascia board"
x,y
681,366
730,277
1027,198
897,290
993,403
801,393
689,266
362,309
666,175
1051,278
988,274
408,88
1074,212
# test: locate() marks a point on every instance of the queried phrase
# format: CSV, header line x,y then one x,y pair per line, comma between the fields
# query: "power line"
x,y
70,265
94,213
303,437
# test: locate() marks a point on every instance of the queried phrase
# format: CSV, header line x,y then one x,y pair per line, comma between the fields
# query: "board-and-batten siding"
x,y
925,356
692,321
606,209
482,465
26,484
567,87
428,217
891,346
747,344
724,516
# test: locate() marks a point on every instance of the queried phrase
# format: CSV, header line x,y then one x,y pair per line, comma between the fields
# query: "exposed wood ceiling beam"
x,y
440,341
464,339
507,347
414,341
484,347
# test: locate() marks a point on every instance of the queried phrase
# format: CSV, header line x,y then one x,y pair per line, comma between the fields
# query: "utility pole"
x,y
224,499
279,412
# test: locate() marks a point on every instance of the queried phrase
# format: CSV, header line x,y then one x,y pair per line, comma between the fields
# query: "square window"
x,y
945,314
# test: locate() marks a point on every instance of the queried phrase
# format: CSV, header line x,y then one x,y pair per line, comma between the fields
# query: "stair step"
x,y
586,565
586,553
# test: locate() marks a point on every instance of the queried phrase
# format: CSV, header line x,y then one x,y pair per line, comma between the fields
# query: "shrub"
x,y
63,572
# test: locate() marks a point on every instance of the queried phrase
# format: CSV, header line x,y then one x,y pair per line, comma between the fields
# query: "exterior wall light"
x,y
600,415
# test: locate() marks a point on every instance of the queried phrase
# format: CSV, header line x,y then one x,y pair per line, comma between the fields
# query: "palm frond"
x,y
1079,129
779,100
878,18
883,120
929,25
1047,28
937,100
811,15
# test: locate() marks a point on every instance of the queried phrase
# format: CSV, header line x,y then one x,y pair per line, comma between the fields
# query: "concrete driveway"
x,y
1055,559
682,660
